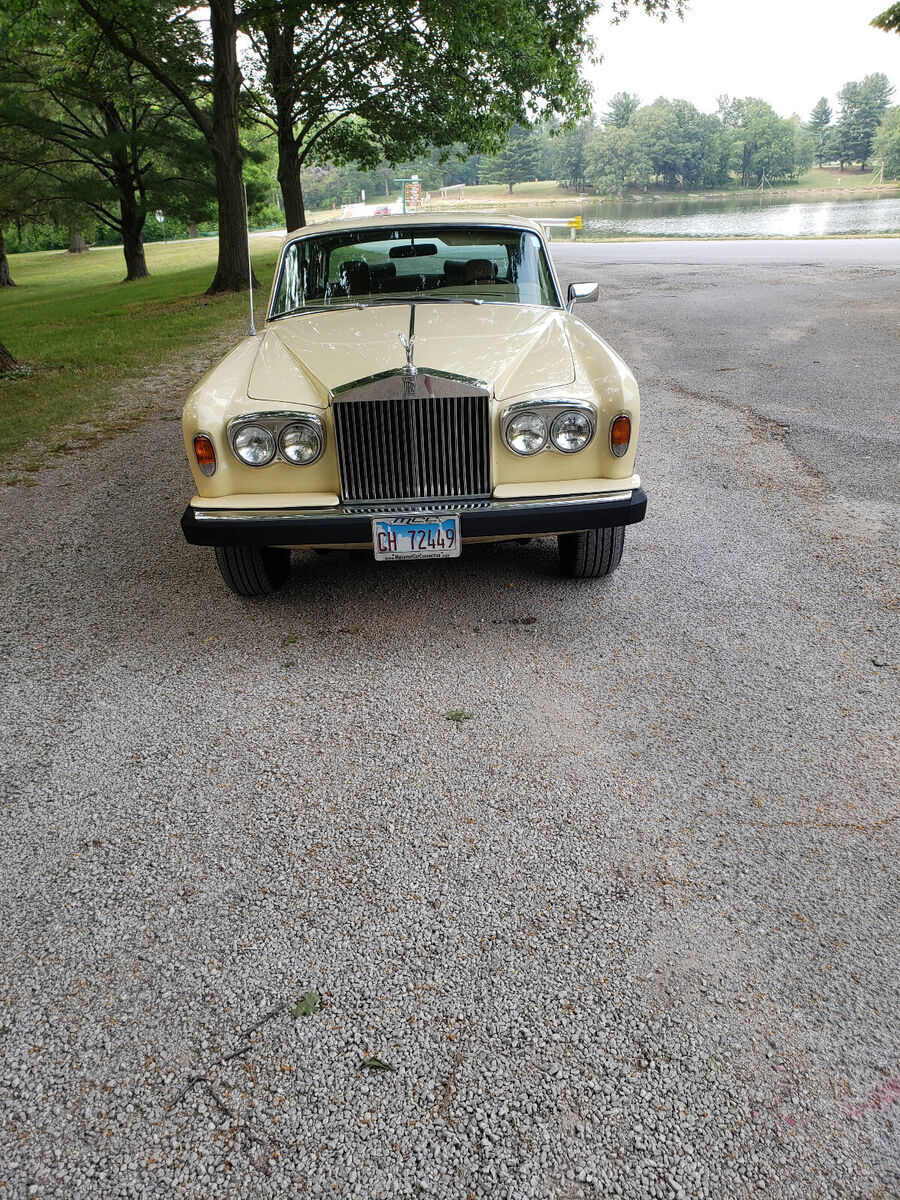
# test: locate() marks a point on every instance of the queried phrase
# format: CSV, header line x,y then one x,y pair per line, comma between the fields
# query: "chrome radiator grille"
x,y
406,449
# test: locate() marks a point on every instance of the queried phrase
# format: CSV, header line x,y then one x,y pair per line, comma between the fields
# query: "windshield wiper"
x,y
360,304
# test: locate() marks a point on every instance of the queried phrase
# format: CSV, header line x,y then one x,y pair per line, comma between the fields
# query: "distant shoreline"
x,y
654,197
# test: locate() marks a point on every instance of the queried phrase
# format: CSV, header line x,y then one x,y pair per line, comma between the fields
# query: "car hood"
x,y
512,348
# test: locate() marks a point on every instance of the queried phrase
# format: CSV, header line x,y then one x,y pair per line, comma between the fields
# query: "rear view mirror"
x,y
582,292
423,250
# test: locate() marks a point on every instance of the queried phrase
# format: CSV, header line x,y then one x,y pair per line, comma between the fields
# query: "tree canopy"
x,y
862,108
386,78
889,20
92,128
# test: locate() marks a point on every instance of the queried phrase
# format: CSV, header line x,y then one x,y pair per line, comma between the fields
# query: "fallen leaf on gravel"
x,y
310,1002
375,1064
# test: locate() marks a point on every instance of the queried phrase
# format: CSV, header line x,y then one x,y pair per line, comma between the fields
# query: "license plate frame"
x,y
416,536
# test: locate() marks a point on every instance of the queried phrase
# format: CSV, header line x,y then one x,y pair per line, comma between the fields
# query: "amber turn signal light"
x,y
205,454
619,434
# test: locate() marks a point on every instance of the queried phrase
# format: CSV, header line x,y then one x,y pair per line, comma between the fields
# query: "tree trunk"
x,y
6,280
133,241
233,267
193,231
289,179
7,361
280,69
126,179
133,249
77,244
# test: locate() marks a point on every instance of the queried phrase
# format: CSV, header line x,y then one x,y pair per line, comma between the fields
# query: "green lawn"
x,y
83,334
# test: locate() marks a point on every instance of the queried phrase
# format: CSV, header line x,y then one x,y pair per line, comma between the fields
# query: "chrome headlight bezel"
x,y
557,422
276,425
312,427
541,430
549,412
264,436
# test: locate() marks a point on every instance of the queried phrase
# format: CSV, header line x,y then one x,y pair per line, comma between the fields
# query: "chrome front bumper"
x,y
351,525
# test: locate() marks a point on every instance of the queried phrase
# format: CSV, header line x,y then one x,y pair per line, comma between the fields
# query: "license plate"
x,y
415,537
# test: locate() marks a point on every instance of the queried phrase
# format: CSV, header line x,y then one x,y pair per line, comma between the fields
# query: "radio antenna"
x,y
249,263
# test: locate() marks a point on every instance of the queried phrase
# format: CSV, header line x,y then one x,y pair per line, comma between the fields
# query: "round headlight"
x,y
254,445
526,433
571,431
300,443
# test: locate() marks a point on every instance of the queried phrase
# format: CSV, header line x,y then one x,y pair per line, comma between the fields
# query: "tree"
x,y
889,20
819,120
863,105
804,147
201,73
656,128
567,154
6,279
384,79
90,124
7,361
622,108
682,142
886,143
617,159
20,196
516,162
764,145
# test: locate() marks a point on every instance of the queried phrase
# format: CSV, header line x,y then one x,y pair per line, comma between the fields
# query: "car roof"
x,y
473,220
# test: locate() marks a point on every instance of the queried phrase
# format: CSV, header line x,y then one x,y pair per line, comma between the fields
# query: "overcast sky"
x,y
789,52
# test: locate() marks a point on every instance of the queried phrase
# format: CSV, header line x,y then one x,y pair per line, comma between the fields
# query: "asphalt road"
x,y
628,929
742,252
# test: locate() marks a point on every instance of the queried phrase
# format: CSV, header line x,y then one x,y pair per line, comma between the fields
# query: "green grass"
x,y
832,177
83,334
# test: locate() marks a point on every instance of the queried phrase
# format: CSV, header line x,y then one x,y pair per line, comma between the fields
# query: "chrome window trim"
x,y
276,423
430,224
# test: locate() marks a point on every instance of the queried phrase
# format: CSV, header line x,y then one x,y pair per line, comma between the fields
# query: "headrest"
x,y
355,277
479,270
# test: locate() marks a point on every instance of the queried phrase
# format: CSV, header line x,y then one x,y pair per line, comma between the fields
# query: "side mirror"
x,y
583,292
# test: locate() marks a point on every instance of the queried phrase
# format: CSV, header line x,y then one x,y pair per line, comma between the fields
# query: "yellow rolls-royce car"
x,y
419,384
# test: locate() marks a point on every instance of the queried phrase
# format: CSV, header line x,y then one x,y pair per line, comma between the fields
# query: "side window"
x,y
289,289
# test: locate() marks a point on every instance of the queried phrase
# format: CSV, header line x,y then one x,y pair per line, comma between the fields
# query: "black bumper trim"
x,y
335,527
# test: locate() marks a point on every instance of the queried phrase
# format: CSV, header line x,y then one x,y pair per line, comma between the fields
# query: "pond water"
x,y
757,217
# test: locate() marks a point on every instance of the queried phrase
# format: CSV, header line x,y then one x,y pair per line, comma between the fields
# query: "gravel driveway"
x,y
630,930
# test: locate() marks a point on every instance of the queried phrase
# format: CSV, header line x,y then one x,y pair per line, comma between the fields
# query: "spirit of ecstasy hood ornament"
x,y
408,344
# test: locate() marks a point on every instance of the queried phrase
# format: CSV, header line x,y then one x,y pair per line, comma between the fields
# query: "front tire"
x,y
253,570
592,553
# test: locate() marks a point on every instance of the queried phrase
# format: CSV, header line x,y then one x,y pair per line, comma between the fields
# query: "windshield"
x,y
372,265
